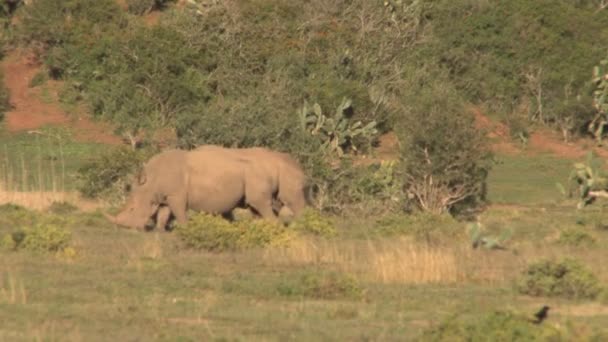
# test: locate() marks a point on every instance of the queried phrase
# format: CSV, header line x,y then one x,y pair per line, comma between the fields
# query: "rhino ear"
x,y
141,178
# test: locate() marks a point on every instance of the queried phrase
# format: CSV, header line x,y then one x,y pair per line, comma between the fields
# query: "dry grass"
x,y
395,261
406,261
41,200
12,290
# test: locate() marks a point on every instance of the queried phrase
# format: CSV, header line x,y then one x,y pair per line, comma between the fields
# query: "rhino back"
x,y
165,172
216,181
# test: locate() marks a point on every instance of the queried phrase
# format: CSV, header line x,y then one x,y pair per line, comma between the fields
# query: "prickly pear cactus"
x,y
587,177
337,133
600,100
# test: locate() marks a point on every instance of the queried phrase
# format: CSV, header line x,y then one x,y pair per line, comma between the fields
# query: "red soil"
x,y
542,140
29,111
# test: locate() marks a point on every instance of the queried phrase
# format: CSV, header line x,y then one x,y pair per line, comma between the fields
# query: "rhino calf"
x,y
215,180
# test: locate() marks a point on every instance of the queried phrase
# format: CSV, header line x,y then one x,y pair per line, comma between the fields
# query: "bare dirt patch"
x,y
29,110
545,140
542,140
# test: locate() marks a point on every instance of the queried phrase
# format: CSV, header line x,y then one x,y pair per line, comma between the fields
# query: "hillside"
x,y
430,133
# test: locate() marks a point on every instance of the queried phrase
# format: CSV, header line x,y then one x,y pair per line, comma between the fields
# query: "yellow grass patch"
x,y
41,200
12,290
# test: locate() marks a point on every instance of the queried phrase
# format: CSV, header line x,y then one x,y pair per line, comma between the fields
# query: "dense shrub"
x,y
46,238
32,231
567,278
214,233
215,79
109,174
63,23
534,55
373,189
312,222
445,157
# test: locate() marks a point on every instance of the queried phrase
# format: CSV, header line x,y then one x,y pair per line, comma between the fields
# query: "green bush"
x,y
46,238
576,237
322,285
39,79
216,234
22,229
372,189
312,222
497,326
520,53
567,278
109,174
62,23
446,159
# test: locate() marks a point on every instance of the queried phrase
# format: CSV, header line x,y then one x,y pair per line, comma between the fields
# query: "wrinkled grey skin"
x,y
215,180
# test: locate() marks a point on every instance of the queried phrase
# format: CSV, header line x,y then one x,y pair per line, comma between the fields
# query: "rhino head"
x,y
142,204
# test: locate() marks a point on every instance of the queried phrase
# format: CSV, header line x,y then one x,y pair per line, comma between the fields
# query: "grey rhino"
x,y
215,180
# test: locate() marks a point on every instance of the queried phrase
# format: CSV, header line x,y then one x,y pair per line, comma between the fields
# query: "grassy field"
x,y
42,160
367,283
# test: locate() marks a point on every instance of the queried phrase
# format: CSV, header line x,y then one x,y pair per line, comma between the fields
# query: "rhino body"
x,y
215,180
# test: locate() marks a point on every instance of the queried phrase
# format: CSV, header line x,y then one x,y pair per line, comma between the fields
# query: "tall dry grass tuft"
x,y
385,261
40,200
12,290
405,262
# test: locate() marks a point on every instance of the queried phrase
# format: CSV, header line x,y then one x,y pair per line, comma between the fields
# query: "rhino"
x,y
215,180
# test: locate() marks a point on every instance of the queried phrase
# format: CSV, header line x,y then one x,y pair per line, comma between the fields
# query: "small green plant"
x,y
576,237
45,238
481,239
338,134
380,182
40,78
567,278
322,285
311,221
261,233
216,234
496,326
23,229
62,208
587,180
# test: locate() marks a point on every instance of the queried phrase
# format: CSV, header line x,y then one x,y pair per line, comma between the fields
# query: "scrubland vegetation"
x,y
446,240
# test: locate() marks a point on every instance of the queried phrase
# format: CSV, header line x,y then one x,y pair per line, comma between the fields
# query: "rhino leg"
x,y
261,202
162,218
178,208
